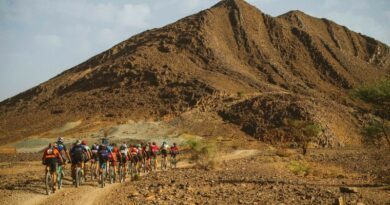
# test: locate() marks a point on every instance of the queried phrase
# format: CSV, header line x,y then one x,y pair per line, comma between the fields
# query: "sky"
x,y
39,39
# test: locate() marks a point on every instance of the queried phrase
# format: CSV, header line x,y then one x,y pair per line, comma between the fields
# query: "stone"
x,y
345,189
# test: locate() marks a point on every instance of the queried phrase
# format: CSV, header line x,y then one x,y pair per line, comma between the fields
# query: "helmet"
x,y
138,145
78,142
84,142
174,144
60,139
164,142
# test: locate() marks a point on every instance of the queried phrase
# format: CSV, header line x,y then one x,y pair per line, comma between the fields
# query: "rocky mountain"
x,y
252,69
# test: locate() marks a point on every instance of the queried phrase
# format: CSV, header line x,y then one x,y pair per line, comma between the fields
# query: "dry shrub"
x,y
283,152
202,154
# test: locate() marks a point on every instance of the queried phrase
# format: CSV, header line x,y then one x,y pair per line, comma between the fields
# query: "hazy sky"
x,y
41,38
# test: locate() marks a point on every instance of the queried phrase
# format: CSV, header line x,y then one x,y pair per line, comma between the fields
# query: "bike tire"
x,y
59,177
48,182
77,177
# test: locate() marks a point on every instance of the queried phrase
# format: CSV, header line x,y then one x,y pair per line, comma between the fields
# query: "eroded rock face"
x,y
230,48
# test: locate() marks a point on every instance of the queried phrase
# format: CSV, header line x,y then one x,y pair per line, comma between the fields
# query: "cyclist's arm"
x,y
58,155
44,156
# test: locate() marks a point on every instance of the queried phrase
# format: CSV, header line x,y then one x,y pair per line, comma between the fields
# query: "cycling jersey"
x,y
51,157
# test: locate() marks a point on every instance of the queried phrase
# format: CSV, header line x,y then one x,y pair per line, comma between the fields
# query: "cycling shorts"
x,y
52,163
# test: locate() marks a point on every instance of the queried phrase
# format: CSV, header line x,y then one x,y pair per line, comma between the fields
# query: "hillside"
x,y
250,69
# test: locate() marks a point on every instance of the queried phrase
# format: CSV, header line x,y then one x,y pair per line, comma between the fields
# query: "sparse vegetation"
x,y
378,95
299,168
202,154
240,94
283,152
304,132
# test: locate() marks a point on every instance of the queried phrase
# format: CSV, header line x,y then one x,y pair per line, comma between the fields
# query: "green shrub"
x,y
378,95
299,168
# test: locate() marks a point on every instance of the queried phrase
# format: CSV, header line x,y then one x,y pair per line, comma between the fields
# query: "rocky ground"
x,y
262,175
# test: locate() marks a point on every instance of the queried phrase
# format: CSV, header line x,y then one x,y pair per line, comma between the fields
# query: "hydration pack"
x,y
103,154
78,153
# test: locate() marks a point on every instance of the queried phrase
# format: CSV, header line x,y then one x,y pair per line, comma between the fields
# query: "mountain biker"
x,y
164,151
147,154
140,156
78,154
154,150
103,157
62,149
88,156
94,158
134,155
114,156
125,154
174,151
51,157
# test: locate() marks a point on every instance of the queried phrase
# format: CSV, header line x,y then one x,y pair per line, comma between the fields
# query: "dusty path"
x,y
89,193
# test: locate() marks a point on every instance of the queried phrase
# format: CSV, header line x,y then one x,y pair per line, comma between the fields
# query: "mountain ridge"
x,y
206,57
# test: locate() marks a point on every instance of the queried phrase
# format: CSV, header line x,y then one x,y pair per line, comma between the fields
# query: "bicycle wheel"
x,y
111,175
121,174
59,177
48,183
78,171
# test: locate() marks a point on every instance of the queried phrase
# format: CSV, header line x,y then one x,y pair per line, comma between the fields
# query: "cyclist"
x,y
62,149
125,154
113,157
78,154
140,156
154,150
164,152
94,159
87,157
174,151
103,157
147,154
51,157
134,155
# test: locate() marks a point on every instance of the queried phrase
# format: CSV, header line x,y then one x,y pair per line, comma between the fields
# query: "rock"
x,y
345,189
133,194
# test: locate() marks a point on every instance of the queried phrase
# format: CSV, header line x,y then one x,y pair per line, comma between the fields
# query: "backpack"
x,y
103,154
78,153
50,151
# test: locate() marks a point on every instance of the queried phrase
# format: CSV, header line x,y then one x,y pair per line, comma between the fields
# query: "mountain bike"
x,y
49,182
121,172
153,164
94,169
173,162
60,176
79,175
102,175
164,162
111,174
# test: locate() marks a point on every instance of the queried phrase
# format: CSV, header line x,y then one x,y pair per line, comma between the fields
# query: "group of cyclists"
x,y
105,159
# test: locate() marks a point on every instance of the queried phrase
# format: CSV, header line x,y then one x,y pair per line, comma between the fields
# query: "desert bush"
x,y
240,94
304,132
283,152
299,168
202,154
378,95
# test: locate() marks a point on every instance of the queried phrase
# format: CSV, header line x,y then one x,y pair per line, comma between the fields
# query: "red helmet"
x,y
84,142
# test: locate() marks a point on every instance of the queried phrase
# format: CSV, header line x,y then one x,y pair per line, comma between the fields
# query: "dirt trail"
x,y
89,193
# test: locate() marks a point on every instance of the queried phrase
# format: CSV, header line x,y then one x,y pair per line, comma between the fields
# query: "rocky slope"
x,y
202,62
